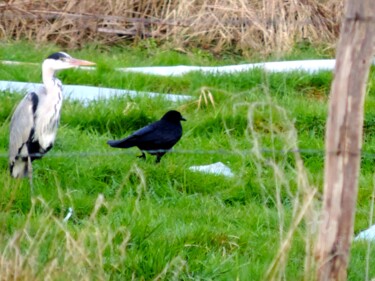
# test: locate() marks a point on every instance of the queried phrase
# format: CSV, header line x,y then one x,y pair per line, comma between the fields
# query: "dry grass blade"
x,y
175,266
211,97
281,256
268,122
205,98
98,204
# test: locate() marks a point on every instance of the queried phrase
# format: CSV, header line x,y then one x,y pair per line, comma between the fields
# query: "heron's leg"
x,y
143,156
30,174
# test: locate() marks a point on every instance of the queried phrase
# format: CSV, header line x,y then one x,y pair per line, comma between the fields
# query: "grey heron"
x,y
35,120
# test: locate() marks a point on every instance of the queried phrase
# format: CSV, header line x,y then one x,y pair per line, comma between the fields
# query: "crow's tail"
x,y
120,143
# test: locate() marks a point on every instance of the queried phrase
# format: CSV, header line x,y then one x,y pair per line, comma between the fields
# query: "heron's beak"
x,y
77,62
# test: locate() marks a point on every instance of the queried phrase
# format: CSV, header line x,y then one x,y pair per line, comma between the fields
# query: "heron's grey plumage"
x,y
20,127
33,128
35,121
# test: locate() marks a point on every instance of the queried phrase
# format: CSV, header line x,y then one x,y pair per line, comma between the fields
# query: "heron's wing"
x,y
22,125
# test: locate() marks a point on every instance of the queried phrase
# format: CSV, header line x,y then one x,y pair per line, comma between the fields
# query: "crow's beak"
x,y
183,119
77,62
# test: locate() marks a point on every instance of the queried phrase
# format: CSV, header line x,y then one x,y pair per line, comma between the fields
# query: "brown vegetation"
x,y
245,25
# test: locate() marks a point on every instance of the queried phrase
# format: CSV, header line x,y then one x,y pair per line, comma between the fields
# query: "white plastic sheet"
x,y
88,93
282,66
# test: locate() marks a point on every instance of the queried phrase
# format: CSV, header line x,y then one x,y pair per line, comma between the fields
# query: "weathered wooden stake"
x,y
344,138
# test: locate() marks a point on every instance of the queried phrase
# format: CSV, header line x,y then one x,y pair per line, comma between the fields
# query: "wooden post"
x,y
344,138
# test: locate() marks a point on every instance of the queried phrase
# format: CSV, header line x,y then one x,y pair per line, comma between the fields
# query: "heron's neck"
x,y
48,76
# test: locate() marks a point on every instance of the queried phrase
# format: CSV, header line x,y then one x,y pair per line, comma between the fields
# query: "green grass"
x,y
137,220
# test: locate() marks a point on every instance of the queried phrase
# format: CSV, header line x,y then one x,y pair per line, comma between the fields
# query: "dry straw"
x,y
245,25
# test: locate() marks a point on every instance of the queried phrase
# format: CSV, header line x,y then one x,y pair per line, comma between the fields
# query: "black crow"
x,y
156,138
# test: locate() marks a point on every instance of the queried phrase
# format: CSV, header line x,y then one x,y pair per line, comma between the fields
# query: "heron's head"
x,y
61,60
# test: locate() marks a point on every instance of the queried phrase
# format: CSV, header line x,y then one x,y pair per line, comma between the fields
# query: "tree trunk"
x,y
344,139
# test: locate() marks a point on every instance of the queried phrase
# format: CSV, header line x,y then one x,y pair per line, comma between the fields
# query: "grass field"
x,y
134,220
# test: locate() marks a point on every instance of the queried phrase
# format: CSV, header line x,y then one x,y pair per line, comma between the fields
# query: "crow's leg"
x,y
143,156
159,156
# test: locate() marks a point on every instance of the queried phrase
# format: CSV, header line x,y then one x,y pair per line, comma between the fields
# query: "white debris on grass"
x,y
215,168
368,234
88,93
70,213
